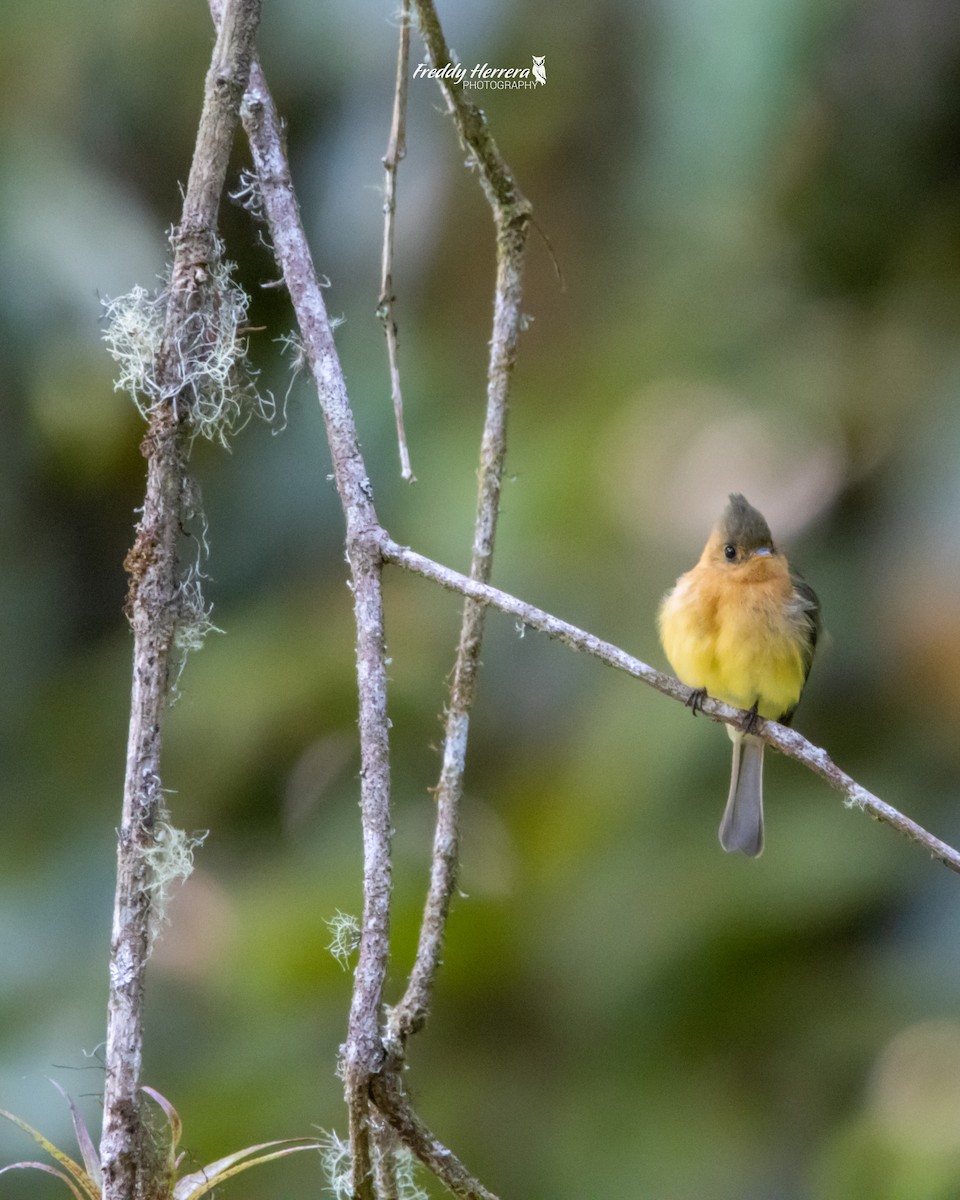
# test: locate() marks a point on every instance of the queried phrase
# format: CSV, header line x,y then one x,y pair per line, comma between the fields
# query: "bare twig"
x,y
384,1143
153,608
393,1103
511,213
363,1052
396,150
786,740
471,124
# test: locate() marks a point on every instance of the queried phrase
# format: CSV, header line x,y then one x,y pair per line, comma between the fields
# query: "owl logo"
x,y
539,70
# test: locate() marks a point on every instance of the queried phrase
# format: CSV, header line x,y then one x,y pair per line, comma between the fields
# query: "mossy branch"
x,y
156,608
363,1051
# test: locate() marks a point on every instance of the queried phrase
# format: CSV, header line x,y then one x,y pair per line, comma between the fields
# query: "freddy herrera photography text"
x,y
482,76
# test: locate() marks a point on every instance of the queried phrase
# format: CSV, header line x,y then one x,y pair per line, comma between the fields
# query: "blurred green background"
x,y
755,208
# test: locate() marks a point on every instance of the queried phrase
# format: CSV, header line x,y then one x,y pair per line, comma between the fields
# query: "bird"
x,y
741,626
539,68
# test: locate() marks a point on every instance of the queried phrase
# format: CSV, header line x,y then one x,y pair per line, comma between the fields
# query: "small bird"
x,y
742,627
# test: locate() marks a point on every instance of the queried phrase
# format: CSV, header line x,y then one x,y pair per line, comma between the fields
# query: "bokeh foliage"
x,y
754,208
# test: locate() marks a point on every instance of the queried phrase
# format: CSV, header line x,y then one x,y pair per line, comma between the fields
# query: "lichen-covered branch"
x,y
155,609
363,1052
511,213
396,1108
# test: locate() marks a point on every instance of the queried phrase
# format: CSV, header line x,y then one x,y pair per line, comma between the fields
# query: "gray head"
x,y
744,527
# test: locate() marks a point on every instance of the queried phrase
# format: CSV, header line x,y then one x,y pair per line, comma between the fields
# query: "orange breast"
x,y
734,635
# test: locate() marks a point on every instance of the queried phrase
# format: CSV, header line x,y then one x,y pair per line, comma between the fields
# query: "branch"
x,y
471,123
154,608
384,1140
396,150
363,1052
786,740
393,1104
511,214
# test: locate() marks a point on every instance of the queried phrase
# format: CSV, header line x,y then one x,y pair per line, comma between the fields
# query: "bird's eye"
x,y
729,552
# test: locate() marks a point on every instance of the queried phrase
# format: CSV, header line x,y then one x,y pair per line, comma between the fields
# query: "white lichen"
x,y
193,613
293,345
249,195
170,861
406,1168
133,335
345,936
209,381
193,624
336,1164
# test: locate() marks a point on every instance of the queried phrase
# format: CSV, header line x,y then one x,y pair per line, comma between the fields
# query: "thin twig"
x,y
396,150
471,123
511,213
153,610
363,1052
786,740
385,1142
393,1103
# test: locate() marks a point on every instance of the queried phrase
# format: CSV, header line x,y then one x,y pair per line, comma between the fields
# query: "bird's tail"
x,y
742,825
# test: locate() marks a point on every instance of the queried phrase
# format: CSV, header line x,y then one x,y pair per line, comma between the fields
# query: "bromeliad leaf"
x,y
90,1189
87,1184
91,1159
173,1117
192,1187
175,1126
39,1166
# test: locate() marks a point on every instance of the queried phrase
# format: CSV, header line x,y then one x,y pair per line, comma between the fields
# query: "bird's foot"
x,y
749,723
695,700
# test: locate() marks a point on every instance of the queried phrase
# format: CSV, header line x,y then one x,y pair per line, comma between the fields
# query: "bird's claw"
x,y
695,700
749,723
